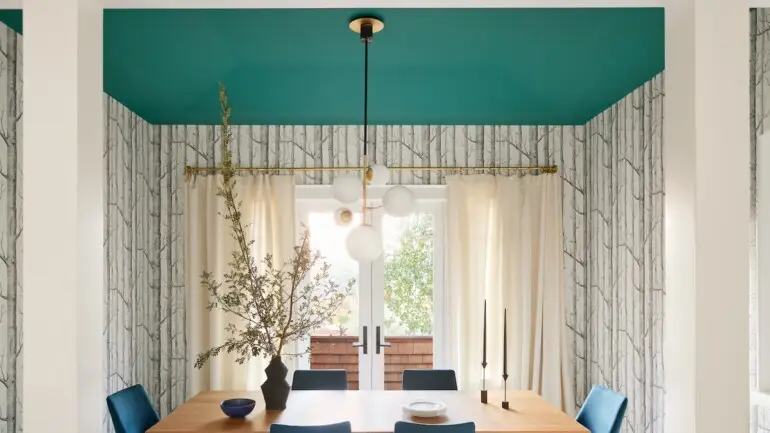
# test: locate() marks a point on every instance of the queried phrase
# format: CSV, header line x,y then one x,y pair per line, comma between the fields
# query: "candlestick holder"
x,y
484,382
505,391
484,359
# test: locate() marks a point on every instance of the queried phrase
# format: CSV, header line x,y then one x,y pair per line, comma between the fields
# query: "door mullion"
x,y
365,319
378,308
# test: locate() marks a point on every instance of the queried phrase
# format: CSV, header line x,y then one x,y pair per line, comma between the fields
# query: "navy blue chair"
x,y
429,380
131,410
343,427
603,410
320,380
409,427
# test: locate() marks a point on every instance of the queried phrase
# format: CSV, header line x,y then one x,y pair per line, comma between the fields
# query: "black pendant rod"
x,y
366,37
366,96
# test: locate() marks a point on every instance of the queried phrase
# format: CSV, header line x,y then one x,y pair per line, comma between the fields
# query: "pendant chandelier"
x,y
364,243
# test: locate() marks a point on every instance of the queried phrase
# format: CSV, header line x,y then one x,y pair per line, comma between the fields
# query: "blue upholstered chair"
x,y
429,380
343,427
131,410
603,410
409,427
320,380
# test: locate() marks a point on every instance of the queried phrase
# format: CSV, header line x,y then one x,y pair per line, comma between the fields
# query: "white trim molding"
x,y
760,399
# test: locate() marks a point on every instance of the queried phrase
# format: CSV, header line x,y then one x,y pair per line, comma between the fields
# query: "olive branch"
x,y
273,304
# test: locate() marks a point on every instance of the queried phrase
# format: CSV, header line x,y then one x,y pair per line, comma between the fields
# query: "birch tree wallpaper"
x,y
144,300
11,331
624,305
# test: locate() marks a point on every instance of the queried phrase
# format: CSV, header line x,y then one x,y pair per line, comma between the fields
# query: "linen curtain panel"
x,y
268,210
505,246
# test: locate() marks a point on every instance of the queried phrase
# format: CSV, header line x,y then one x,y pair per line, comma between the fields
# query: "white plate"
x,y
425,408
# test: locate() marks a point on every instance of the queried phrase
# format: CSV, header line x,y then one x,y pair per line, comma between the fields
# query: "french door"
x,y
392,320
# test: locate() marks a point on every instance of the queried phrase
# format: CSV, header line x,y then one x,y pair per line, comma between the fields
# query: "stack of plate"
x,y
425,409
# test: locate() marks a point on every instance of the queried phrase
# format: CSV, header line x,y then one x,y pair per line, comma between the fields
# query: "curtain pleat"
x,y
267,205
505,246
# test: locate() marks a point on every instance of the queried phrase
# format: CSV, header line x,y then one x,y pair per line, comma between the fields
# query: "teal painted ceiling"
x,y
429,66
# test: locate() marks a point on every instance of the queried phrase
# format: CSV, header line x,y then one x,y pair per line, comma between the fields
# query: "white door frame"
x,y
371,286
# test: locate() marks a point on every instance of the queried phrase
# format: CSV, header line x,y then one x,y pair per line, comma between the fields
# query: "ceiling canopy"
x,y
428,66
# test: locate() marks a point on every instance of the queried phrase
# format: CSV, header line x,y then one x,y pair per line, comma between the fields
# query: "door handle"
x,y
364,340
380,343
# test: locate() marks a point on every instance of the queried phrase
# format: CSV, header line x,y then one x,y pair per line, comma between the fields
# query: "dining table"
x,y
370,411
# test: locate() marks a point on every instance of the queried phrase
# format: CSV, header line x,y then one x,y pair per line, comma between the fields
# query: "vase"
x,y
275,389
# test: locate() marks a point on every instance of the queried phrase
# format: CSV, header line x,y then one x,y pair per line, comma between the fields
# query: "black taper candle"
x,y
505,343
505,359
484,357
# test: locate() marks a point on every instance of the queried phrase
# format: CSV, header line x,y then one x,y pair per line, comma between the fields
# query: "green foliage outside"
x,y
409,279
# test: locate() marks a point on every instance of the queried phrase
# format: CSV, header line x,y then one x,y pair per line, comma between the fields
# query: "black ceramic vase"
x,y
276,389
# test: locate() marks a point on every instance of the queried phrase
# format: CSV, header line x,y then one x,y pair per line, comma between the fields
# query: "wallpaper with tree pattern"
x,y
613,231
144,332
624,305
11,331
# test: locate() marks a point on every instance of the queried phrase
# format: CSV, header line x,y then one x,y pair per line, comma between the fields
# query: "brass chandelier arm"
x,y
189,171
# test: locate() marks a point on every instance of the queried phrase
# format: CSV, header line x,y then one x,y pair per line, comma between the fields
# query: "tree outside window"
x,y
409,279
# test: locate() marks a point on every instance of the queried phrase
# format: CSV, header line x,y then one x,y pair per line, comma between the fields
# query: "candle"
x,y
484,358
505,343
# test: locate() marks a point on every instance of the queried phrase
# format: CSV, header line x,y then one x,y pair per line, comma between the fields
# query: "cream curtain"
x,y
268,207
505,246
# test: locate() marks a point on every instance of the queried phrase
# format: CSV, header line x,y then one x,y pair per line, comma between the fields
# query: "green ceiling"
x,y
429,66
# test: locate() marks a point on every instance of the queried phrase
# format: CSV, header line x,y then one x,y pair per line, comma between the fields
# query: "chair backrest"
x,y
429,380
410,427
603,410
320,380
131,410
343,427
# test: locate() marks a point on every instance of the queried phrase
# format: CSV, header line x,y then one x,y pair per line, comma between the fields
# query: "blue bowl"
x,y
238,407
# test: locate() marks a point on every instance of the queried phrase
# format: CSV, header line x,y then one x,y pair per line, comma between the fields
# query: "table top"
x,y
370,412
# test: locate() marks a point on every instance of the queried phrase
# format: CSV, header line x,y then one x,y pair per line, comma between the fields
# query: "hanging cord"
x,y
366,37
366,97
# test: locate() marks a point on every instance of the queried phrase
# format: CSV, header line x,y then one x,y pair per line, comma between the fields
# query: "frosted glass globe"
x,y
347,189
343,216
380,175
364,244
398,201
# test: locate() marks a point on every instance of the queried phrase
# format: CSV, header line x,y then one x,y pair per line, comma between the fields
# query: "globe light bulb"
x,y
364,244
343,216
398,201
379,174
347,189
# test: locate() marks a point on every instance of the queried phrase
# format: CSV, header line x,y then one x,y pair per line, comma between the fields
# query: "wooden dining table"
x,y
370,412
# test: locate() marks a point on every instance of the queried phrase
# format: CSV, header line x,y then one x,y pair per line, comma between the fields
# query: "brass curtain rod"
x,y
194,170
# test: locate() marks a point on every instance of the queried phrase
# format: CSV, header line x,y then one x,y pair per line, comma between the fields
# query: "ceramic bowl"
x,y
238,407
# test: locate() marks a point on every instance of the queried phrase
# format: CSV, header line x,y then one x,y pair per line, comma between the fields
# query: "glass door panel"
x,y
332,345
390,322
405,282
